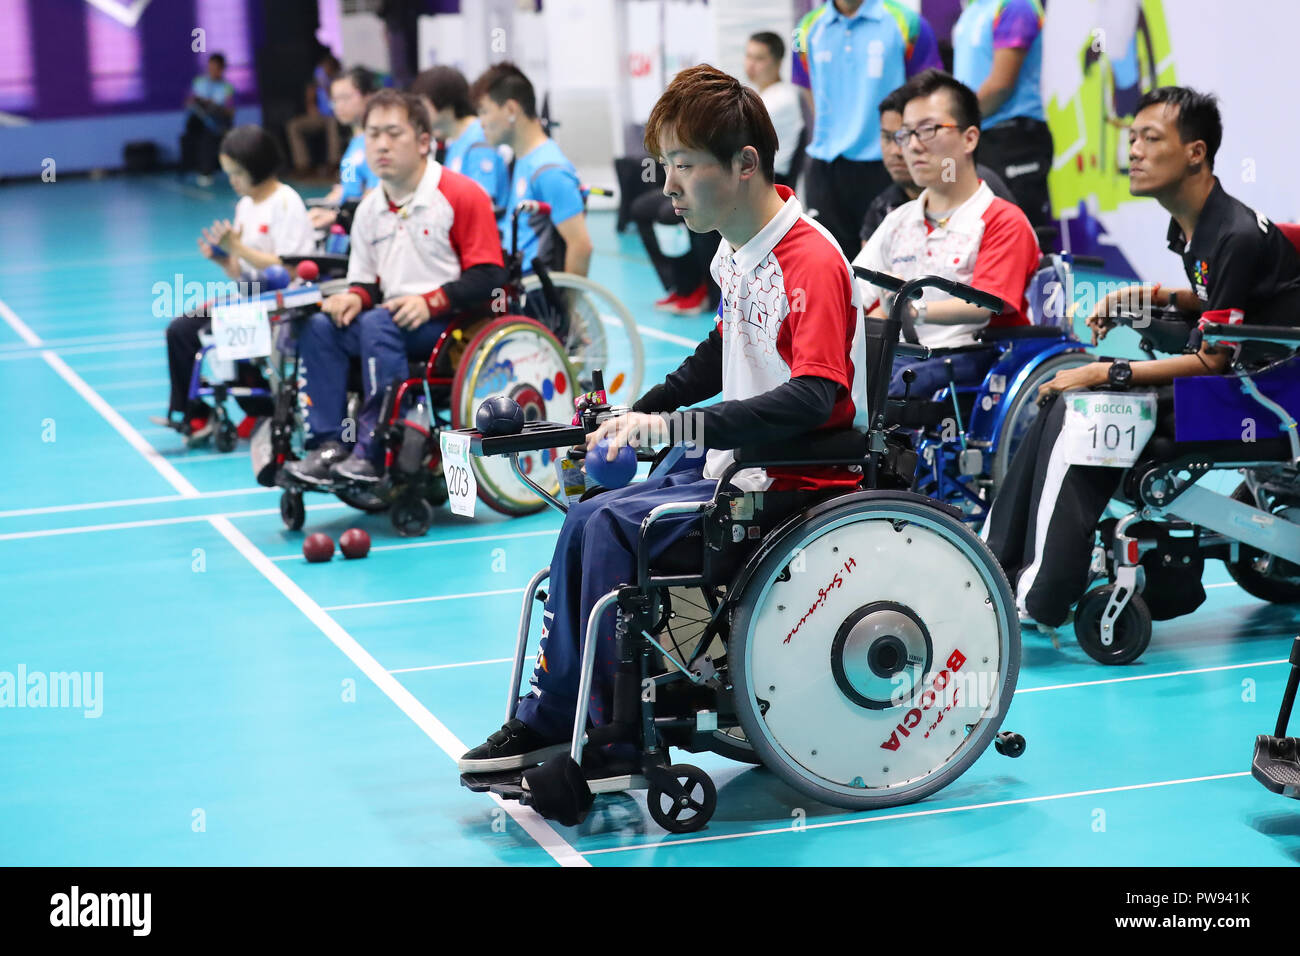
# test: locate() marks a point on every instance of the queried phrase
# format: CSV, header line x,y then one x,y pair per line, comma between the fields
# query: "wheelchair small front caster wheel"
x,y
691,804
1009,744
1130,632
411,516
227,435
292,512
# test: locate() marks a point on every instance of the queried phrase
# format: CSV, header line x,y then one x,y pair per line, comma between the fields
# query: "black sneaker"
x,y
315,468
514,747
361,471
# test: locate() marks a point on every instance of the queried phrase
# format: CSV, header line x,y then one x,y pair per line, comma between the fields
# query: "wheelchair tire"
x,y
611,344
732,744
1024,409
516,357
292,512
227,435
1267,587
1132,627
411,516
849,713
701,800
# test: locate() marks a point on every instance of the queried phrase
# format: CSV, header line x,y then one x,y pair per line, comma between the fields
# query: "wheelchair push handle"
x,y
911,289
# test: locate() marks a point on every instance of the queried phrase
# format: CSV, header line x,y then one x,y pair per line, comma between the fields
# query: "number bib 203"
x,y
241,331
462,488
1107,428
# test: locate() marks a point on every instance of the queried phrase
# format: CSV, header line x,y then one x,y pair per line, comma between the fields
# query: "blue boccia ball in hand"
x,y
611,474
275,278
499,415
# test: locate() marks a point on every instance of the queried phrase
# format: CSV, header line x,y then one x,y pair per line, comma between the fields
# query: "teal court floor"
x,y
253,709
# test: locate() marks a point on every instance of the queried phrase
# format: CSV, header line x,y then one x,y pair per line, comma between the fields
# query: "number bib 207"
x,y
462,488
242,331
1107,428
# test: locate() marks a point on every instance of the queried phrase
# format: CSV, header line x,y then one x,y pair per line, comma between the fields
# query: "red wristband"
x,y
363,294
437,301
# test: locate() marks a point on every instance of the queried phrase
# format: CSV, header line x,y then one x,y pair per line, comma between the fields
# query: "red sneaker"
x,y
668,303
693,304
245,429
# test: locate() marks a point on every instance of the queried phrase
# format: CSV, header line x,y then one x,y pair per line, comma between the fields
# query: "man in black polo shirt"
x,y
1042,527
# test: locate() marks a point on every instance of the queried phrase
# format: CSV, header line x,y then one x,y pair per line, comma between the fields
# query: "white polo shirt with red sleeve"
x,y
445,228
987,243
789,308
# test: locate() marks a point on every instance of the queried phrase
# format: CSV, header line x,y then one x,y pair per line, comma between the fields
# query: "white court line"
x,y
139,406
151,343
119,424
125,502
57,344
531,822
443,667
105,366
215,456
1124,680
917,813
421,600
134,383
151,522
667,336
436,544
526,817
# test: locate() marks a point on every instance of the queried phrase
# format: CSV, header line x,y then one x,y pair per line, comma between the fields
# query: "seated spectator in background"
x,y
209,113
903,189
424,248
956,228
507,108
349,94
270,221
763,56
681,258
319,118
997,50
465,149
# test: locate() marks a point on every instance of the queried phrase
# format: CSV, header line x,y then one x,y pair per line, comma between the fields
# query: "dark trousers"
x,y
680,274
840,191
182,347
1043,526
200,145
1020,151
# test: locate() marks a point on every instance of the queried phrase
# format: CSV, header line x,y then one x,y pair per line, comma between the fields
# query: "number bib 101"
x,y
1107,428
462,488
242,330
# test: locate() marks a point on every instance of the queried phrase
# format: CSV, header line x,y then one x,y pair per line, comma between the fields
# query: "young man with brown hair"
x,y
786,355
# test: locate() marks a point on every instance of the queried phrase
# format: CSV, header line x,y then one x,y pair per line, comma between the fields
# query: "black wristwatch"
x,y
1120,374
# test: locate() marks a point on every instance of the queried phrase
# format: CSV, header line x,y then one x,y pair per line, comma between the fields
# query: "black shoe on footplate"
x,y
514,747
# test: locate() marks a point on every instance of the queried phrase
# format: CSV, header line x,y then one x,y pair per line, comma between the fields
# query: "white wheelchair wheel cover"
x,y
522,361
612,345
956,653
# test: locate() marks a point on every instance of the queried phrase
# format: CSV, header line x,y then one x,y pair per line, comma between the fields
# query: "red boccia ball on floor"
x,y
354,543
318,547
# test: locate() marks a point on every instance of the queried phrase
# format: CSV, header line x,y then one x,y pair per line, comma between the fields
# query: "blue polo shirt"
x,y
354,174
472,155
545,174
218,91
988,25
852,63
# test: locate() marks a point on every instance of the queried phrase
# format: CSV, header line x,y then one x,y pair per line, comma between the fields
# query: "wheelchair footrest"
x,y
1277,764
483,782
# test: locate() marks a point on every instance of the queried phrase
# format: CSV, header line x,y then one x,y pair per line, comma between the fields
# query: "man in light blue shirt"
x,y
997,50
209,113
463,147
849,54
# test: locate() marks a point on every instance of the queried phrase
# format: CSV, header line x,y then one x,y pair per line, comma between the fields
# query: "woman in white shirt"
x,y
270,221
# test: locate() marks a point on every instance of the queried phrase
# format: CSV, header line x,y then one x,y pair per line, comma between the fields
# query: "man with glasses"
x,y
955,228
424,247
847,54
903,189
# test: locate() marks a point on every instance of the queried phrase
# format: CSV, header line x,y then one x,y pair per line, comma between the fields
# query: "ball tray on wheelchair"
x,y
534,437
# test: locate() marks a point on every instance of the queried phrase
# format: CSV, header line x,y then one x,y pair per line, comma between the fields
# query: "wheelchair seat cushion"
x,y
831,445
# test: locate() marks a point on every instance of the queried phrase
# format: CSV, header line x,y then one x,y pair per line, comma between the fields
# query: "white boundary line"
x,y
423,600
916,813
1125,680
443,667
128,338
150,523
436,544
667,336
125,502
434,729
527,818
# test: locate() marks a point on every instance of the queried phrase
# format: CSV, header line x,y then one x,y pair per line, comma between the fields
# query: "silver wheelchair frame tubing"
x,y
521,645
545,495
1288,423
1271,534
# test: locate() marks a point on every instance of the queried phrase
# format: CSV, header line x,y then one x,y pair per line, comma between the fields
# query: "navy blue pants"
x,y
324,352
932,374
595,553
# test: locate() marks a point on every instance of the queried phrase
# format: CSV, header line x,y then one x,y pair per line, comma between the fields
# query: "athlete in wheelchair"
x,y
1146,432
781,599
971,373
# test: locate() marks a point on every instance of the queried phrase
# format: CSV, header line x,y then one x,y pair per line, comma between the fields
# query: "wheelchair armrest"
x,y
843,446
1251,333
1017,332
534,437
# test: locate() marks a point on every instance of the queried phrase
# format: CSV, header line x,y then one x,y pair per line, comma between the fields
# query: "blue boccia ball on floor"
x,y
499,415
611,474
275,278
